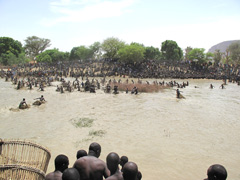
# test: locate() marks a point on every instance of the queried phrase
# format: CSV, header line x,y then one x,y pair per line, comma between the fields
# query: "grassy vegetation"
x,y
86,122
82,122
91,135
97,133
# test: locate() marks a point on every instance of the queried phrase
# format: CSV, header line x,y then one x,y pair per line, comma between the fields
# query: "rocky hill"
x,y
221,46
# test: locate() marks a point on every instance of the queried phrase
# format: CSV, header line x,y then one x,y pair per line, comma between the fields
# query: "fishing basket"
x,y
24,154
17,172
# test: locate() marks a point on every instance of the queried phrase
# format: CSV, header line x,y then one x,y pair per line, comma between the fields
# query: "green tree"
x,y
234,50
35,45
171,51
217,56
187,50
131,54
52,55
73,54
82,53
197,55
226,57
135,43
11,51
152,53
11,59
66,56
96,50
9,45
111,46
209,56
43,57
5,58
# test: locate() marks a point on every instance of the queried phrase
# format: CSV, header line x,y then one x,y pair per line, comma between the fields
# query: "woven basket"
x,y
25,154
17,172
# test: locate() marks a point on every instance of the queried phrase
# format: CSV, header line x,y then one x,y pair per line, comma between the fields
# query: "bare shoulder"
x,y
99,161
80,162
115,177
89,161
54,176
49,176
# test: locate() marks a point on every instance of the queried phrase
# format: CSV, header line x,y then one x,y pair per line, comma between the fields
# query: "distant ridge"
x,y
221,46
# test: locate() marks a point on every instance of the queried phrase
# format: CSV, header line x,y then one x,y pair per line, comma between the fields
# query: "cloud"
x,y
86,10
72,2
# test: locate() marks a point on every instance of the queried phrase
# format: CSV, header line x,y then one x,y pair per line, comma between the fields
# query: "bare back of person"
x,y
56,175
116,176
91,168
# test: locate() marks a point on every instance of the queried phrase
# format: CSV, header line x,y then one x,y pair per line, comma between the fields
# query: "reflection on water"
x,y
167,137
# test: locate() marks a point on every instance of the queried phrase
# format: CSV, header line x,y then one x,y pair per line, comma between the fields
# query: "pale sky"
x,y
71,23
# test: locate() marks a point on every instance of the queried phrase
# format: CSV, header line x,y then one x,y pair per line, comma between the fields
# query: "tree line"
x,y
35,49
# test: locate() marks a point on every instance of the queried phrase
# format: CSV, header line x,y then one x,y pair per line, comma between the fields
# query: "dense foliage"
x,y
82,53
234,50
197,54
96,50
152,53
187,51
171,51
131,54
217,56
111,46
12,52
52,56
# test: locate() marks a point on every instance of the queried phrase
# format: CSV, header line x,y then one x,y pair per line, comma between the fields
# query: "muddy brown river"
x,y
168,138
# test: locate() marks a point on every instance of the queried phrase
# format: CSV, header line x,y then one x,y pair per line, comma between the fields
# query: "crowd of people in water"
x,y
88,166
114,77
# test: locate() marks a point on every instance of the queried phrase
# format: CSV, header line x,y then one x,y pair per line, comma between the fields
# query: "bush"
x,y
82,122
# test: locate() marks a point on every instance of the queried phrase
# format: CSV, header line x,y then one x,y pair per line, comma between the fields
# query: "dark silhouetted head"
x,y
112,162
70,174
94,149
139,175
130,171
81,153
216,172
123,160
61,162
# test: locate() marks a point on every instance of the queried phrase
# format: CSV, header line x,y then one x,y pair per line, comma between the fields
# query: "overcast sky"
x,y
71,23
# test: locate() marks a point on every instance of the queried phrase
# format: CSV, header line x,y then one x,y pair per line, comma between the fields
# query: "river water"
x,y
168,138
